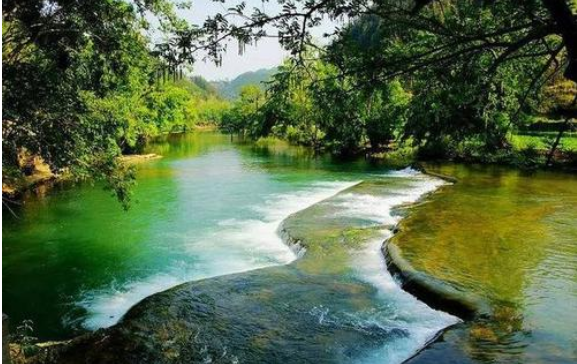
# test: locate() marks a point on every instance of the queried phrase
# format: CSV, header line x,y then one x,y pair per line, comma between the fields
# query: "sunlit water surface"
x,y
74,261
509,237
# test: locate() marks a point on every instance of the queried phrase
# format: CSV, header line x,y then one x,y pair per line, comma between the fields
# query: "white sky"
x,y
266,54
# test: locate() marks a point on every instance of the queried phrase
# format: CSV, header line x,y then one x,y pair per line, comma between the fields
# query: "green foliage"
x,y
473,71
386,113
384,83
316,106
244,115
70,74
81,86
23,337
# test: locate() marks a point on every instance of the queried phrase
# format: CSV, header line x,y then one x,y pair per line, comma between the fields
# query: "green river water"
x,y
510,238
73,261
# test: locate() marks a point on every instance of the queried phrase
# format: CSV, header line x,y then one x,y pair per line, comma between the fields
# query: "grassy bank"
x,y
541,140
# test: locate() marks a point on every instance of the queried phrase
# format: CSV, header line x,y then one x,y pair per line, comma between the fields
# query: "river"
x,y
509,237
74,261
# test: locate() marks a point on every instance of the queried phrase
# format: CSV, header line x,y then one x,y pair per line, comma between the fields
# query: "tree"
x,y
64,64
244,115
458,30
386,113
457,64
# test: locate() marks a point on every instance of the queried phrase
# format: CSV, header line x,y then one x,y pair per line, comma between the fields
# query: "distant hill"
x,y
196,86
231,89
205,86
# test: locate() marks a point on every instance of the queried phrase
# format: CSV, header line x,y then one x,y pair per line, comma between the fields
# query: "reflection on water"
x,y
512,238
336,304
74,260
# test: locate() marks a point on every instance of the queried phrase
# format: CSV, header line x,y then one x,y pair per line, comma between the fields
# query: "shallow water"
x,y
343,237
511,238
335,304
74,261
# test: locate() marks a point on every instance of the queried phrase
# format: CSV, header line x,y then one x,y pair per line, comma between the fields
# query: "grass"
x,y
542,141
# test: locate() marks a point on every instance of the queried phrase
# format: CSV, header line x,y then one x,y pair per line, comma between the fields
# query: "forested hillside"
x,y
231,89
82,85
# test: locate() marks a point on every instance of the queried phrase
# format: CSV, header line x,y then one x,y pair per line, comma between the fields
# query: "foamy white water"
x,y
420,321
378,208
235,245
409,314
241,244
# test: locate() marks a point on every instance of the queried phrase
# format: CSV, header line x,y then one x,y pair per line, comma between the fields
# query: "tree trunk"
x,y
567,26
556,142
560,134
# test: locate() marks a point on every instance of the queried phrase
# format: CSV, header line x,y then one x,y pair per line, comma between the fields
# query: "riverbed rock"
x,y
318,309
229,320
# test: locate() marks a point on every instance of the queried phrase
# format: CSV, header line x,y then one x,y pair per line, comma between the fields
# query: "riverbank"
x,y
524,153
139,158
523,157
38,174
41,178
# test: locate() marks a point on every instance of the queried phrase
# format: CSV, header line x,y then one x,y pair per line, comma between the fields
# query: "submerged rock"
x,y
322,308
139,158
231,319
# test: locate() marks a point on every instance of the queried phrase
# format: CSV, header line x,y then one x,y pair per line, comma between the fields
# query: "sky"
x,y
266,54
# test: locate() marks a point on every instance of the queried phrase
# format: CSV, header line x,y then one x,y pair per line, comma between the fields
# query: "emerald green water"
x,y
510,238
336,303
74,261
